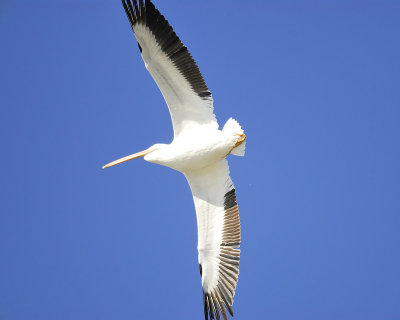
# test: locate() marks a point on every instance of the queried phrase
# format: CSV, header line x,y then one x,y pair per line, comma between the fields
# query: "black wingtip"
x,y
205,306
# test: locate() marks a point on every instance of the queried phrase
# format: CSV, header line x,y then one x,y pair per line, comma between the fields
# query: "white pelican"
x,y
198,151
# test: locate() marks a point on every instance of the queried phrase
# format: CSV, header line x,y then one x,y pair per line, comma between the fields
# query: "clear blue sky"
x,y
315,84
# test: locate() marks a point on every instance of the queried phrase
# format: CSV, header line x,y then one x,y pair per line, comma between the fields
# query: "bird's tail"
x,y
233,127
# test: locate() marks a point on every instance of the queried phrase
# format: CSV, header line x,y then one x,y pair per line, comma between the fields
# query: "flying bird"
x,y
198,150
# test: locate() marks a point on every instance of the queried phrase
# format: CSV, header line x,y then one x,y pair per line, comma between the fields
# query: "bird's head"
x,y
143,153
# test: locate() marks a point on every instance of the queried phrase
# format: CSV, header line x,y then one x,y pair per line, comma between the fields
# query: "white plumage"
x,y
198,151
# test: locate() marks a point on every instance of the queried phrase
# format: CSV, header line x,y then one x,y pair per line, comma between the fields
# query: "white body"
x,y
196,149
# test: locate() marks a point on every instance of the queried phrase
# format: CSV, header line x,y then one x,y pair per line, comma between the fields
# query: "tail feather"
x,y
232,127
239,150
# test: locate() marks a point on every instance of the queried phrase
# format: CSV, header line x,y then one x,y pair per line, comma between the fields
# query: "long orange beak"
x,y
131,157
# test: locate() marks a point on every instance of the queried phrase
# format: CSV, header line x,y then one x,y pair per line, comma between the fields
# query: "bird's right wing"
x,y
172,67
218,226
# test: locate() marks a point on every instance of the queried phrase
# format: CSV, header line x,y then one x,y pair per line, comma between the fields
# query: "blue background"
x,y
315,84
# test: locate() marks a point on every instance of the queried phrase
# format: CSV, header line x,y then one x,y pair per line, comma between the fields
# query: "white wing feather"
x,y
218,227
173,69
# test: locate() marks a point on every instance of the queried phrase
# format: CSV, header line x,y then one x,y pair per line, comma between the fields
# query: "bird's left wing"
x,y
218,226
172,67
